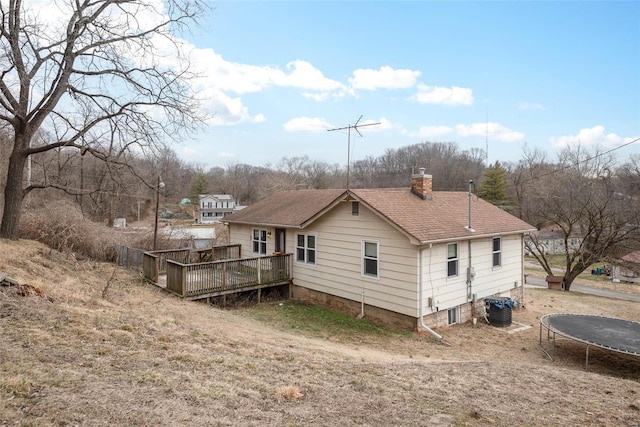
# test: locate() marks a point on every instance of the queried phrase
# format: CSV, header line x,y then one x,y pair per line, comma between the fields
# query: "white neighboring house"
x,y
627,269
197,237
399,255
551,242
214,207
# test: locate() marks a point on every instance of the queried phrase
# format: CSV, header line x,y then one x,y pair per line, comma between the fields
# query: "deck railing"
x,y
218,253
155,263
210,278
150,268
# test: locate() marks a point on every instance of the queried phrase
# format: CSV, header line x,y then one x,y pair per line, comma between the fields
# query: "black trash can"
x,y
499,310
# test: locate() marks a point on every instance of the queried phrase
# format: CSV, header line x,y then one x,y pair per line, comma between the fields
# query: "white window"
x,y
370,258
497,252
259,239
452,316
306,248
452,259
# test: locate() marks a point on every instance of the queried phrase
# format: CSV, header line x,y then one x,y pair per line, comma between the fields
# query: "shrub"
x,y
62,226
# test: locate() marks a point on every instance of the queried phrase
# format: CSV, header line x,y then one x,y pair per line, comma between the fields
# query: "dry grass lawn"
x,y
101,348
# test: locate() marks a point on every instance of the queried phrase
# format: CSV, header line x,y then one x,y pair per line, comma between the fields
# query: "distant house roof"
x,y
632,257
444,217
216,196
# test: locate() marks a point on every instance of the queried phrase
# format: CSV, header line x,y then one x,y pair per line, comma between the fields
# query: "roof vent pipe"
x,y
471,186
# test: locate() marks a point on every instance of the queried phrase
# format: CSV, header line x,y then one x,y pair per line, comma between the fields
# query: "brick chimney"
x,y
421,184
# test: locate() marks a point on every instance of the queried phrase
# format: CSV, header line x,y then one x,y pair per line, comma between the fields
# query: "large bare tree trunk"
x,y
13,195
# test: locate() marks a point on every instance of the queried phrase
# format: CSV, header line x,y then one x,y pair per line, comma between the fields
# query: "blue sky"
x,y
276,75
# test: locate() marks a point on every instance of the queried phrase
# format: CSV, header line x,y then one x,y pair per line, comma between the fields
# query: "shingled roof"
x,y
444,217
287,208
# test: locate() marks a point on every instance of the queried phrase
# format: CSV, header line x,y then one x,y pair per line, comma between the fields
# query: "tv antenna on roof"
x,y
355,127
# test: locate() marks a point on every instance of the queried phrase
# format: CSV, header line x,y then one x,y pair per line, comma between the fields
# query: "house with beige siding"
x,y
405,256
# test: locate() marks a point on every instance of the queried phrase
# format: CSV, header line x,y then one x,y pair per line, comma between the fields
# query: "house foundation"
x,y
376,314
464,312
353,308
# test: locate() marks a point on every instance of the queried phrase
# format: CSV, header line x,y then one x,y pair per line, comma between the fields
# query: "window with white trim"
x,y
355,208
306,248
497,252
259,239
370,257
452,259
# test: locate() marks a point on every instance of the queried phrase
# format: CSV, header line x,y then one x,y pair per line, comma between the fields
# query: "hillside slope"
x,y
102,348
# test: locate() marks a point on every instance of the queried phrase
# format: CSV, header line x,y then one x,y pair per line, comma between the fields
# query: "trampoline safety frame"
x,y
553,332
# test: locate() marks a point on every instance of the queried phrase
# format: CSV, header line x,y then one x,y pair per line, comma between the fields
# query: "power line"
x,y
582,161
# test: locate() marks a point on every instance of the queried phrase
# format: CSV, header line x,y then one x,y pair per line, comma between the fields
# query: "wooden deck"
x,y
183,273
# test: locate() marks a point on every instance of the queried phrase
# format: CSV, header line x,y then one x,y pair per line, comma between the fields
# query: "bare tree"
x,y
580,199
451,168
92,75
628,175
523,179
288,174
6,145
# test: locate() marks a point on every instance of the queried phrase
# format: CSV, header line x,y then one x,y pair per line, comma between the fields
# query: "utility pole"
x,y
355,127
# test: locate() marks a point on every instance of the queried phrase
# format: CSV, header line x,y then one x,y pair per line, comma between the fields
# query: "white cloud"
x,y
311,124
225,155
217,78
376,125
384,78
591,136
305,76
225,110
443,95
494,131
433,131
243,78
319,97
530,106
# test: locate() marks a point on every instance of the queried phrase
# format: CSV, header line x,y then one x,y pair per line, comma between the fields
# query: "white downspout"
x,y
361,315
421,305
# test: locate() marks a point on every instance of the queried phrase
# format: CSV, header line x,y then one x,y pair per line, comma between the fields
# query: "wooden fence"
x,y
130,257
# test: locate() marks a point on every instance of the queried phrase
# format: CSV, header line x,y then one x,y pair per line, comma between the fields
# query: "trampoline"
x,y
622,336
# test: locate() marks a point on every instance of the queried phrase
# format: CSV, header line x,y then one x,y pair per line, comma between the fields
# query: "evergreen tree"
x,y
493,187
199,185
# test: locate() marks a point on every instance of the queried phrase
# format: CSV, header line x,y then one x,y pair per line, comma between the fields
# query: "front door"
x,y
280,240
